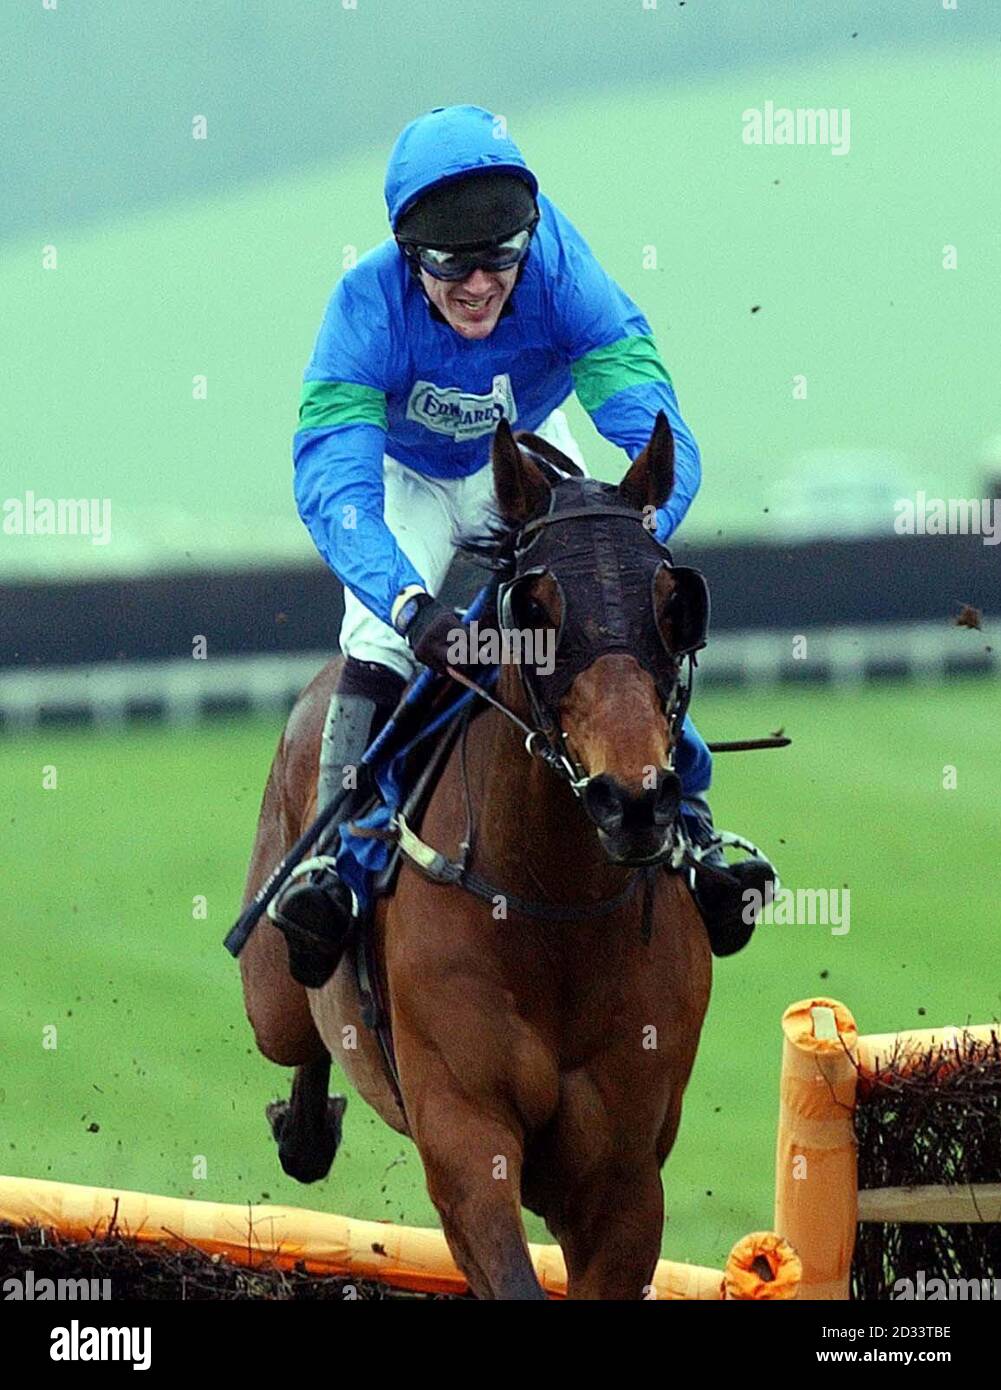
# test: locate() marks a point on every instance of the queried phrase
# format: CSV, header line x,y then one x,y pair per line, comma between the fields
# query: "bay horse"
x,y
542,1055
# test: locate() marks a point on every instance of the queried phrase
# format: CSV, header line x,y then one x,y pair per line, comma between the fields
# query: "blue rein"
x,y
238,935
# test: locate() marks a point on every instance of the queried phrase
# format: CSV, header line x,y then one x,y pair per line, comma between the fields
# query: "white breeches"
x,y
427,516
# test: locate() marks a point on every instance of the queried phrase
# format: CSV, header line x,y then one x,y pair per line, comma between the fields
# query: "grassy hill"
x,y
842,254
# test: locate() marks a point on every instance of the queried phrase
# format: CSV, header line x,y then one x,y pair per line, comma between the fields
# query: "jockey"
x,y
485,301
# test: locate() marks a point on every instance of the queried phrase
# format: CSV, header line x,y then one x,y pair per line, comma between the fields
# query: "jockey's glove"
x,y
435,634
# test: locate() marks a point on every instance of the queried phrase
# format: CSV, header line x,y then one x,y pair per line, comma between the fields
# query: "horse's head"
x,y
602,599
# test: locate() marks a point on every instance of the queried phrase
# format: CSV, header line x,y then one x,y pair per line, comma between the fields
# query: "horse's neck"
x,y
531,831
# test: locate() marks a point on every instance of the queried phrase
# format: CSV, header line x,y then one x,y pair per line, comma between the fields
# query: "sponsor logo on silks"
x,y
461,414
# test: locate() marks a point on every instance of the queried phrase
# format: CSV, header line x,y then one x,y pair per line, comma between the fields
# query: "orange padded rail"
x,y
405,1257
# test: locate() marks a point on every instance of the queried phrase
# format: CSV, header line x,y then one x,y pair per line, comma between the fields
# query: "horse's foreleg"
x,y
307,1127
611,1241
472,1161
597,1179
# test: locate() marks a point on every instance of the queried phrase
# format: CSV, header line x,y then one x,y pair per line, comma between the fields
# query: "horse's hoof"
x,y
277,1115
307,1154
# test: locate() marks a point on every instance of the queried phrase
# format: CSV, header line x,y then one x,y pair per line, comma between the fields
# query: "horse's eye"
x,y
535,614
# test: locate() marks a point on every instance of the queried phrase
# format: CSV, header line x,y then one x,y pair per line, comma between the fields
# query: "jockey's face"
x,y
471,306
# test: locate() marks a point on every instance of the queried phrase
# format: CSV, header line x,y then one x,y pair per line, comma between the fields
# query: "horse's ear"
x,y
650,480
521,488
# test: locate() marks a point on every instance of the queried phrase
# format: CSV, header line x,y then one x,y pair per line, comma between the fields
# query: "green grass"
x,y
98,938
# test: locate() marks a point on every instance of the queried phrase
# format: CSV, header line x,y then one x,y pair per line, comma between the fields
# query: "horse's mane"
x,y
493,547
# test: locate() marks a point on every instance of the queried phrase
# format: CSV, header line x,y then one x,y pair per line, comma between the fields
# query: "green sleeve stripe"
x,y
600,374
326,404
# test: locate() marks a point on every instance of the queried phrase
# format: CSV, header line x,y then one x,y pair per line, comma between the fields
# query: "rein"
x,y
538,742
457,872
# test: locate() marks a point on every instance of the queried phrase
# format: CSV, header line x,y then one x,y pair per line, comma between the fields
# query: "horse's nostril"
x,y
614,809
668,798
603,803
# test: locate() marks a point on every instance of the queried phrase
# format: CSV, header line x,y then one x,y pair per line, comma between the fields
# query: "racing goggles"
x,y
459,263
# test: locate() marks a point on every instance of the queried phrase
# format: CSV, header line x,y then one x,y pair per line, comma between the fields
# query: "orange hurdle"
x,y
760,1266
817,1200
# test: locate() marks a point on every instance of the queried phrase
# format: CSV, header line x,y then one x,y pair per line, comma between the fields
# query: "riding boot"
x,y
729,896
315,909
